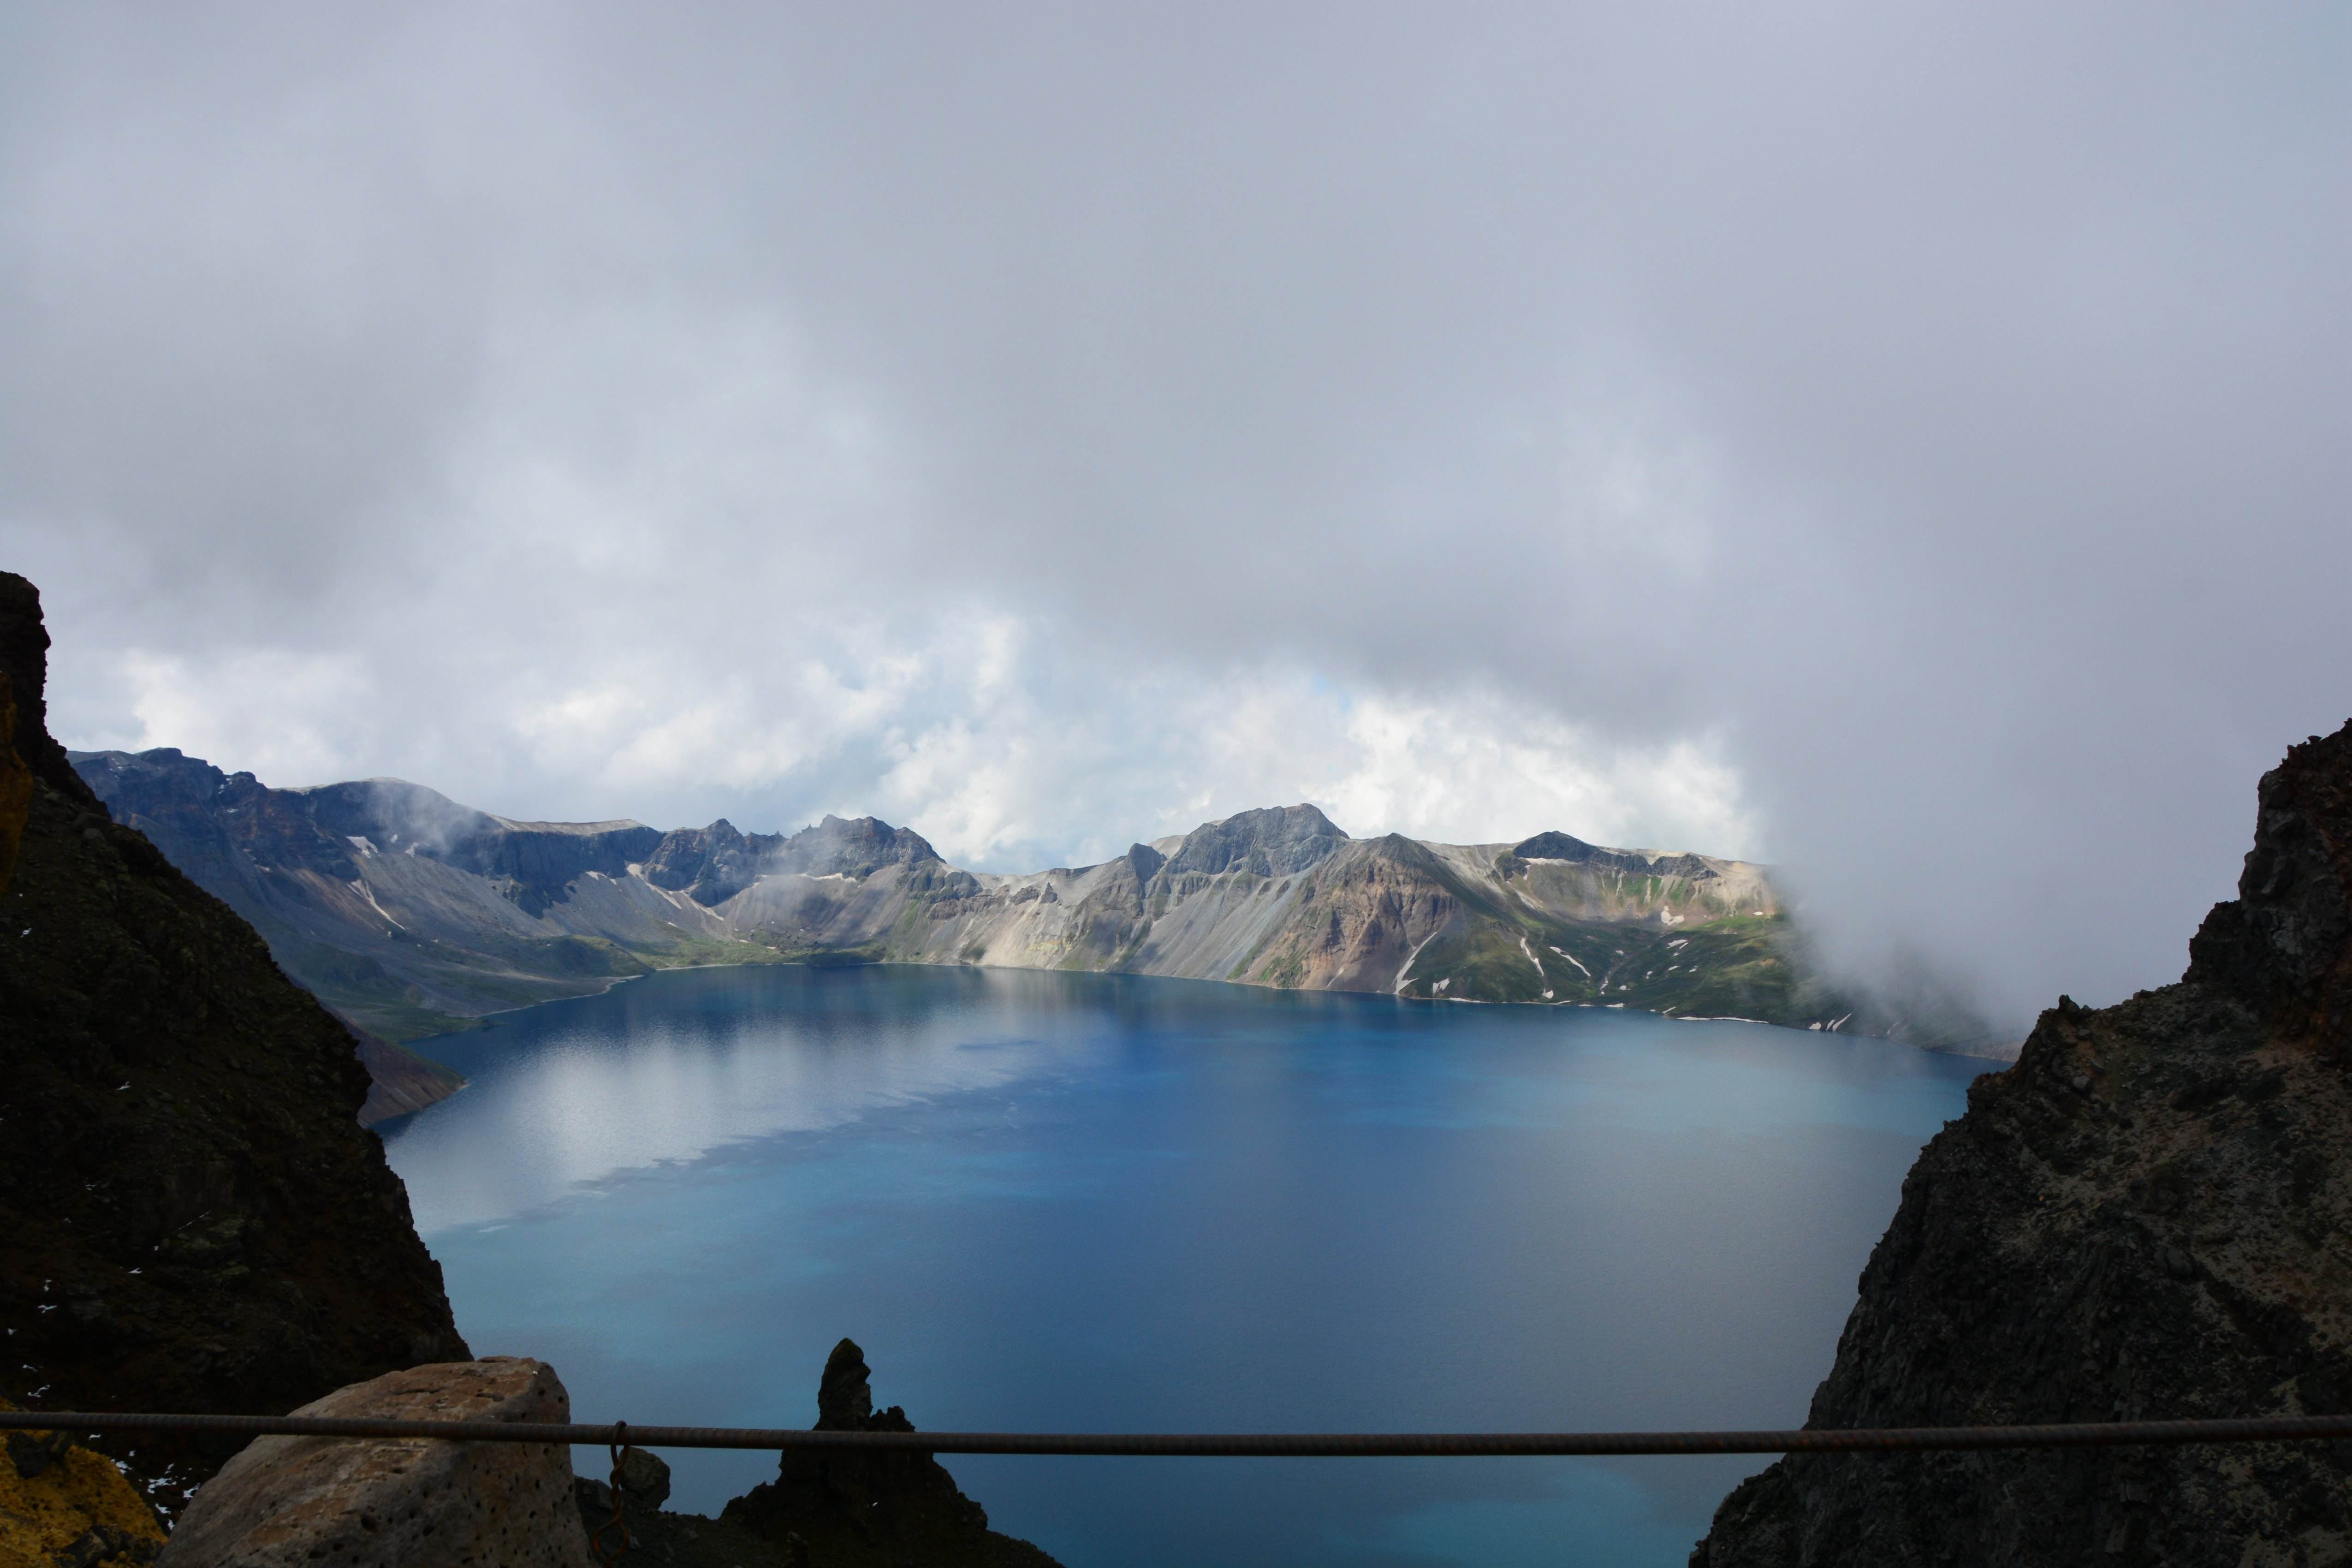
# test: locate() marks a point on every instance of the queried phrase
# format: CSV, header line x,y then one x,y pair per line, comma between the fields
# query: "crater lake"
x,y
1046,1201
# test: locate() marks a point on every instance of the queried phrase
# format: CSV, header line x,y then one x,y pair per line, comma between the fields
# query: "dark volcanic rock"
x,y
24,660
190,1217
2149,1215
851,1510
837,1511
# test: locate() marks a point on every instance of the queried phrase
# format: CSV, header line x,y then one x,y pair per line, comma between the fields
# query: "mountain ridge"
x,y
411,913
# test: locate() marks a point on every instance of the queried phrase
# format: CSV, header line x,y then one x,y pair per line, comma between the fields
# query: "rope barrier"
x,y
1229,1444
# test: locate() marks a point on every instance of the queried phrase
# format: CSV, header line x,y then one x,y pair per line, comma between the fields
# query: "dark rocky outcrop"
x,y
25,660
859,1509
840,1510
190,1219
2149,1215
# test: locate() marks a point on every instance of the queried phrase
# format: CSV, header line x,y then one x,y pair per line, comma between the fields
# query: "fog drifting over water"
x,y
1912,449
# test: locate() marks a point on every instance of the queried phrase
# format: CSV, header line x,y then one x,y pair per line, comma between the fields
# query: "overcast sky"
x,y
1911,446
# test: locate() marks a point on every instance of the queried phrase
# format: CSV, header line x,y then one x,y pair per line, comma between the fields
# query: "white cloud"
x,y
1908,444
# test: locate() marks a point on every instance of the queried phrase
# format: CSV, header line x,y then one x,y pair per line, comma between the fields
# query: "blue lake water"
x,y
1072,1202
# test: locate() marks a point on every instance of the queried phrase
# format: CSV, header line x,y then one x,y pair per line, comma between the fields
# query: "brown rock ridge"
x,y
2149,1215
190,1219
290,1502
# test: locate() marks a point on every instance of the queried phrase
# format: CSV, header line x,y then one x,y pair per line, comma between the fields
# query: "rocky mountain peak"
x,y
852,846
25,658
2284,944
1564,846
1273,841
1145,862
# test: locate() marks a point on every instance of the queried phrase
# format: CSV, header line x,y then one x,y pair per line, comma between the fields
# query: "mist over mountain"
x,y
1830,437
411,914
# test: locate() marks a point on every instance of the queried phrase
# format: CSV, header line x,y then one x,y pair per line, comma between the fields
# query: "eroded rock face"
x,y
399,1503
2149,1215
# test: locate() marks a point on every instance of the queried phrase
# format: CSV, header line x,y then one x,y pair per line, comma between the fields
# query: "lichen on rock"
x,y
62,1504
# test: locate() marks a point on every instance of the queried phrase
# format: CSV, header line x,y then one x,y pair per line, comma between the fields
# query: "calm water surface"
x,y
1086,1201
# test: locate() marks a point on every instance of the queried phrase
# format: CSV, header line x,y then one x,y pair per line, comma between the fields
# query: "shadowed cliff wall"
x,y
190,1217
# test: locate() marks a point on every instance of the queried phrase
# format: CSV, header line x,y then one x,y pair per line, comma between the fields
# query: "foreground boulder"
x,y
2148,1217
190,1218
399,1503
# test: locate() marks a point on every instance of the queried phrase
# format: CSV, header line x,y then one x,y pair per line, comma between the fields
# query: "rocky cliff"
x,y
411,914
190,1219
2149,1215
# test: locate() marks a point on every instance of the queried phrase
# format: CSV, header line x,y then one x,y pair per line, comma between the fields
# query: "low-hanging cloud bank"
x,y
1908,448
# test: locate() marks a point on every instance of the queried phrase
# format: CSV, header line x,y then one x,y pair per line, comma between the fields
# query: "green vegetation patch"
x,y
1481,961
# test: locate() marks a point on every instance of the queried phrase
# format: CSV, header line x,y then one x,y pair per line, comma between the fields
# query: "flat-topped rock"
x,y
399,1503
